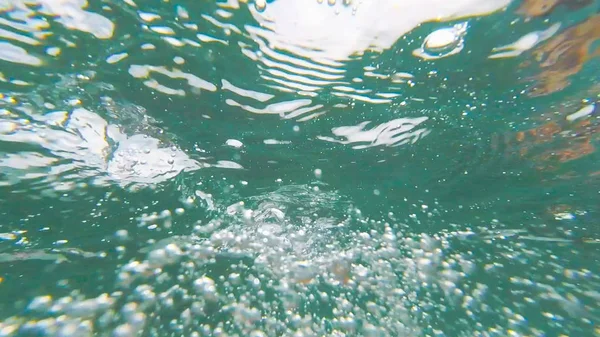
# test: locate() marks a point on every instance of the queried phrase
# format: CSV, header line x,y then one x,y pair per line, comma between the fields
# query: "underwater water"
x,y
299,168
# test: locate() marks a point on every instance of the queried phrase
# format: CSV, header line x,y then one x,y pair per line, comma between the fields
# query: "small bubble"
x,y
182,12
206,286
124,330
172,250
260,5
248,214
234,278
40,303
53,51
122,234
189,201
179,60
318,173
234,143
120,250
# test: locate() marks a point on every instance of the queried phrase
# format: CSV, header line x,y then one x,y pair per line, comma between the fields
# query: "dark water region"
x,y
299,168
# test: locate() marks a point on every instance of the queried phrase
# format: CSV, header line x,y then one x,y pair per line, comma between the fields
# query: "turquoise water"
x,y
299,168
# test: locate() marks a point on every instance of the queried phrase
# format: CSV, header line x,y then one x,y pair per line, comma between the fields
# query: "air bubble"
x,y
260,5
179,60
443,42
234,143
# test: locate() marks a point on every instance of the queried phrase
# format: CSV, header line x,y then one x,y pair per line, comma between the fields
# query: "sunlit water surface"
x,y
299,168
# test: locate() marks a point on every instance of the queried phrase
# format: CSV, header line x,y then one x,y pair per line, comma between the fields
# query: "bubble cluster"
x,y
278,265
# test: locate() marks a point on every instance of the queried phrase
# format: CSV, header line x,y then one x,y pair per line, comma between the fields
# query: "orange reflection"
x,y
545,132
567,153
556,142
565,55
535,8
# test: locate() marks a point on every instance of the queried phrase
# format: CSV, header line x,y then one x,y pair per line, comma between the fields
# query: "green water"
x,y
199,168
